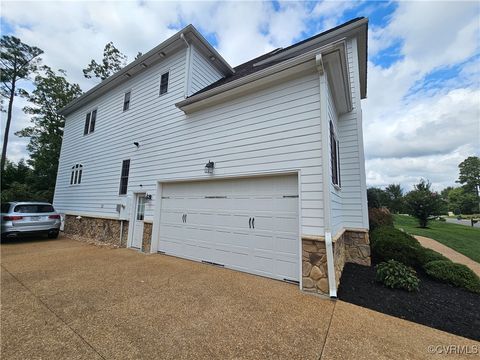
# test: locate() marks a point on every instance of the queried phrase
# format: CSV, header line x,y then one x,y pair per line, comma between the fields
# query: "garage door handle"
x,y
250,223
253,223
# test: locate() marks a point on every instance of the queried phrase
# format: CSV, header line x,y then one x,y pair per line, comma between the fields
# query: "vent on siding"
x,y
290,196
165,197
215,197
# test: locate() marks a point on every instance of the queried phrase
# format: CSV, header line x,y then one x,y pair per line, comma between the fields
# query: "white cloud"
x,y
427,133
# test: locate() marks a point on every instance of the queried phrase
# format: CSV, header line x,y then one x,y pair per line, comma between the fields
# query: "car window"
x,y
33,208
5,208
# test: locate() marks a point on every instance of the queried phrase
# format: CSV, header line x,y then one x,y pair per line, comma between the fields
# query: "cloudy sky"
x,y
422,114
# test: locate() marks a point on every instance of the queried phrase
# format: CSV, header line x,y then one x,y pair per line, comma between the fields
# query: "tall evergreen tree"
x,y
18,60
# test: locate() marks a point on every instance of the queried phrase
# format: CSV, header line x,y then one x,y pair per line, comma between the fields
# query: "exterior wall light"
x,y
148,196
209,167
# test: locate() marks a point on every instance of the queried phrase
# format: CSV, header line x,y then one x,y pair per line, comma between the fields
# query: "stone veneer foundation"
x,y
104,231
350,246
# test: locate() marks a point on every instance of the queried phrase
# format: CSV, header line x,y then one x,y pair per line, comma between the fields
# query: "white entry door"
x,y
138,223
248,224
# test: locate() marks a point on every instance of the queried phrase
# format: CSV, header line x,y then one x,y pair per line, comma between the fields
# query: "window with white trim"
x,y
126,101
90,122
334,156
124,177
164,83
76,175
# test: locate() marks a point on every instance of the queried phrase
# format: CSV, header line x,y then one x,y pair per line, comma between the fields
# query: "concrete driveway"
x,y
66,299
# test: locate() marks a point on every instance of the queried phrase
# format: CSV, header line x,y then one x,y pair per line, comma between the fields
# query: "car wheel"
x,y
53,235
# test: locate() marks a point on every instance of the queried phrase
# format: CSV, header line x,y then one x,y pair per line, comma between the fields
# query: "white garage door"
x,y
248,224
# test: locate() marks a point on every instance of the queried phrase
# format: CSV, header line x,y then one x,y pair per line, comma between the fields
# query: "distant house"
x,y
259,168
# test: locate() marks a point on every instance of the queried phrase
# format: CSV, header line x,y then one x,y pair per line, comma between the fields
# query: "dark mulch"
x,y
436,304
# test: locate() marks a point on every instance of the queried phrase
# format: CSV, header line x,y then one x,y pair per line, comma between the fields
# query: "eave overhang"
x,y
334,62
332,46
154,56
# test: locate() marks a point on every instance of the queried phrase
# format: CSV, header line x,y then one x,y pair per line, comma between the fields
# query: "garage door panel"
x,y
217,225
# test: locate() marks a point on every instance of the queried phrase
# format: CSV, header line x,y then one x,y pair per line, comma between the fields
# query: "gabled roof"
x,y
155,55
280,54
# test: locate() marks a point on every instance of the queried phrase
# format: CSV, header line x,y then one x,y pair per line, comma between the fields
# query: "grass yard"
x,y
464,239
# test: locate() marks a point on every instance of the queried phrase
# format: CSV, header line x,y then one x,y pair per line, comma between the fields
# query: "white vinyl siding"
x,y
352,163
203,72
335,193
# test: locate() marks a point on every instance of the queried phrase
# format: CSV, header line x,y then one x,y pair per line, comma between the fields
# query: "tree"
x,y
470,176
113,61
52,93
461,201
14,182
376,198
18,60
394,194
423,203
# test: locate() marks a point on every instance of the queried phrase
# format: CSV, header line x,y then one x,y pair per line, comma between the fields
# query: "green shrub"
x,y
389,243
454,274
378,217
395,275
424,256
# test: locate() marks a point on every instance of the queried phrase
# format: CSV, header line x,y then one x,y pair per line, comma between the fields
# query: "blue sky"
x,y
421,117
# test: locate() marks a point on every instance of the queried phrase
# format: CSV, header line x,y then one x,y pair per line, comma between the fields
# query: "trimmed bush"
x,y
389,243
378,217
454,274
424,256
395,275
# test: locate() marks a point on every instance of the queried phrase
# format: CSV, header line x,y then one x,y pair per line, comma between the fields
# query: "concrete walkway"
x,y
66,299
449,253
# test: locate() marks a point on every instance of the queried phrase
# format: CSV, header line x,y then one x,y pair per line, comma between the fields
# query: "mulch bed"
x,y
436,304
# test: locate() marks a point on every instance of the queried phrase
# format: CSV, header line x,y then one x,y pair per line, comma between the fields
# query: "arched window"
x,y
76,176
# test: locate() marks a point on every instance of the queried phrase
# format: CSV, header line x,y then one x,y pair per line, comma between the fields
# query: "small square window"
x,y
126,101
164,83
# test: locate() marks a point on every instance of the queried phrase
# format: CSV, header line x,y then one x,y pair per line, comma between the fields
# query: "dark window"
x,y
90,122
33,208
5,208
334,156
164,83
124,177
87,125
126,101
76,176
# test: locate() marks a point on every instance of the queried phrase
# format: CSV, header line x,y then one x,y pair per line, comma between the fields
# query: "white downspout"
x,y
187,66
332,284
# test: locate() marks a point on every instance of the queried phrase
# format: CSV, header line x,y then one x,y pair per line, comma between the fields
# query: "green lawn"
x,y
464,239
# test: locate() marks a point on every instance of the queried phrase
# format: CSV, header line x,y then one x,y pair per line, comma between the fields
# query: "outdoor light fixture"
x,y
137,144
148,196
209,167
213,58
144,65
162,54
127,75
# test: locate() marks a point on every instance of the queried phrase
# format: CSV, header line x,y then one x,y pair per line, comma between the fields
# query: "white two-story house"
x,y
257,168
